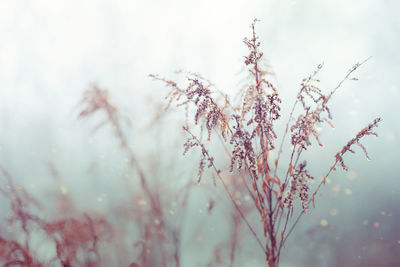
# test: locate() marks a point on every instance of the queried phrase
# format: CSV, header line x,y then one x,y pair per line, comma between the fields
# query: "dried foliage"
x,y
356,141
157,233
75,239
248,134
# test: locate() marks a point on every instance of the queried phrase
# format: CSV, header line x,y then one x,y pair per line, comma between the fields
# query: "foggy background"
x,y
51,51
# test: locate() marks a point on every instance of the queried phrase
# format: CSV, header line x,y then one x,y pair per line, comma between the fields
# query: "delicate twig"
x,y
226,189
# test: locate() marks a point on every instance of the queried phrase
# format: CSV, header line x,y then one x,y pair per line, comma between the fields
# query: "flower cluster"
x,y
193,141
264,106
243,151
199,94
356,141
299,186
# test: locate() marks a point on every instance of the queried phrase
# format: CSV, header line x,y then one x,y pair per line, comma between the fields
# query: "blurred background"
x,y
52,51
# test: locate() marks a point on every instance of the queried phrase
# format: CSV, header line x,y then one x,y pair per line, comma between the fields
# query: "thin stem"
x,y
290,117
227,189
354,68
311,200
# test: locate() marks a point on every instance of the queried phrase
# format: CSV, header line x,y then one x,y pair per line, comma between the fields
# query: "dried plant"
x,y
71,237
80,240
247,131
157,232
